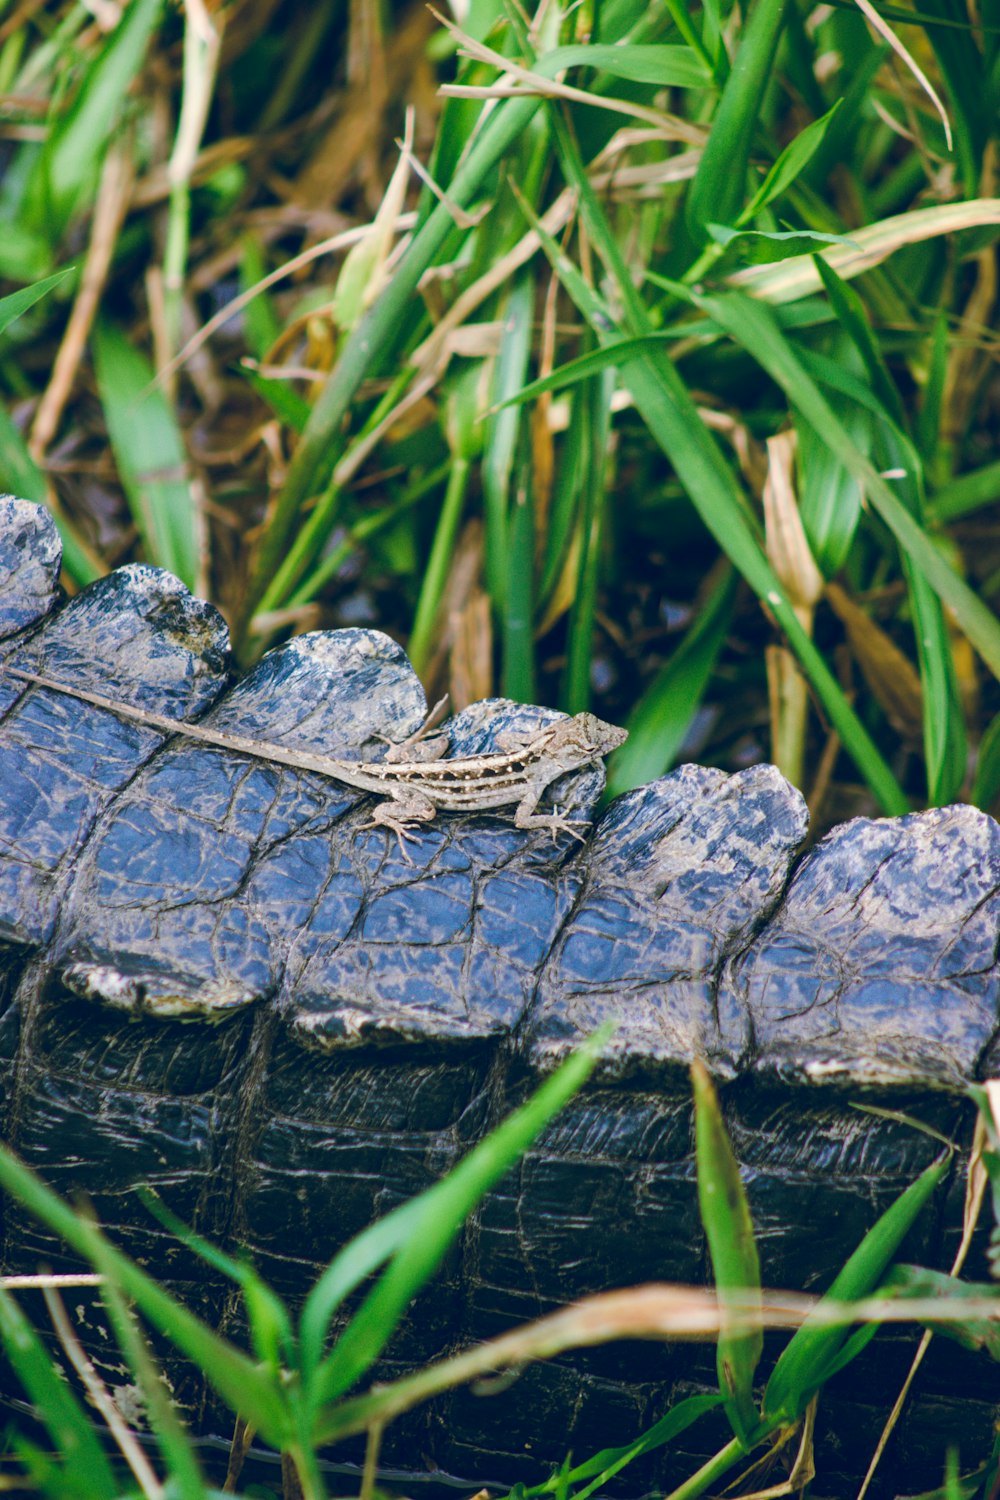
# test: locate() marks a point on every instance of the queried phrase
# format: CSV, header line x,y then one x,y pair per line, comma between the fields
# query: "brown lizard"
x,y
514,776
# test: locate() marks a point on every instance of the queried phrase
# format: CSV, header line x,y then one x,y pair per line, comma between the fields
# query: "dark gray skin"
x,y
221,981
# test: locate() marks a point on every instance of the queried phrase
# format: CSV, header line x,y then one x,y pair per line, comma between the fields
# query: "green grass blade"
x,y
149,452
928,424
777,237
672,417
248,1389
610,1461
989,19
925,1284
830,502
856,1343
358,1260
961,63
611,355
874,427
376,335
175,1445
270,1325
433,1221
88,1473
260,319
67,167
288,406
945,745
725,1216
790,164
464,402
986,787
753,326
661,719
864,57
502,430
805,1362
435,576
849,311
579,643
518,665
944,731
365,529
296,572
718,191
798,277
564,505
44,1475
838,374
662,65
16,303
970,492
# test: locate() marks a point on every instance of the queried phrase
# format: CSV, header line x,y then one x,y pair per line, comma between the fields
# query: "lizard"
x,y
515,775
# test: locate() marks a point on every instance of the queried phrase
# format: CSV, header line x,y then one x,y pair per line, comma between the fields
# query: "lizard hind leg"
x,y
400,814
556,823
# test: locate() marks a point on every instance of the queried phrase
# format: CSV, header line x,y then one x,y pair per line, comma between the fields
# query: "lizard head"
x,y
601,738
581,740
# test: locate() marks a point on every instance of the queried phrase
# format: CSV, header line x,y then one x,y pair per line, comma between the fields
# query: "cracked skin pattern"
x,y
216,981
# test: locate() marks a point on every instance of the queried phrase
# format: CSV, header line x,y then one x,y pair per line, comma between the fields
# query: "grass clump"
x,y
651,372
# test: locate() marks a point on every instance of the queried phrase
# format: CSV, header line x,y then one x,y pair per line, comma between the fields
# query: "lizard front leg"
x,y
527,817
417,746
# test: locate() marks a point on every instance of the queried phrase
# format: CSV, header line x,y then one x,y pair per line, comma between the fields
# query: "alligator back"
x,y
218,981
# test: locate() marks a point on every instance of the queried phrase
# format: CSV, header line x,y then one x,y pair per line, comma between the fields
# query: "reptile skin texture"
x,y
214,980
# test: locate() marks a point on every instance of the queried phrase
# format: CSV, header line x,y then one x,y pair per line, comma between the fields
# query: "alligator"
x,y
221,978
